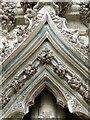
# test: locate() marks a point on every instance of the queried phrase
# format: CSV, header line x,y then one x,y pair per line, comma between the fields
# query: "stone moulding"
x,y
64,74
46,57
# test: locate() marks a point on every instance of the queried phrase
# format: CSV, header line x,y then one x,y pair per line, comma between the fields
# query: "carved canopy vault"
x,y
44,54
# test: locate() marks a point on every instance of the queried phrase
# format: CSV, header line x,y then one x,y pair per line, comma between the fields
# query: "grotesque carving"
x,y
60,69
45,57
85,13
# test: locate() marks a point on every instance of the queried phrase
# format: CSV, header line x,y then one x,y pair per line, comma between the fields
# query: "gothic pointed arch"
x,y
42,53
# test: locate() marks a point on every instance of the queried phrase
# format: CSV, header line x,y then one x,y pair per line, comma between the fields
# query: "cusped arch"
x,y
39,87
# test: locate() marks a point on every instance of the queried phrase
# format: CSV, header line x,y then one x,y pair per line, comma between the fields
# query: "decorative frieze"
x,y
46,56
19,35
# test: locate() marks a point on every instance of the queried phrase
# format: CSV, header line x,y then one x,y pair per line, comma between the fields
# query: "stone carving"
x,y
40,5
3,100
60,69
63,7
29,70
45,57
74,105
16,84
72,36
74,82
21,32
25,5
6,50
8,13
29,17
85,13
86,95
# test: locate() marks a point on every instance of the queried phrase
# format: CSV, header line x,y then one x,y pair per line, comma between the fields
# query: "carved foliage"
x,y
45,57
74,82
60,69
8,13
72,36
3,100
86,95
16,84
29,71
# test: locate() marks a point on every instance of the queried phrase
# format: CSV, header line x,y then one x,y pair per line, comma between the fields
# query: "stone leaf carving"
x,y
86,95
3,100
16,84
71,36
29,70
63,6
74,82
45,57
60,69
25,5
